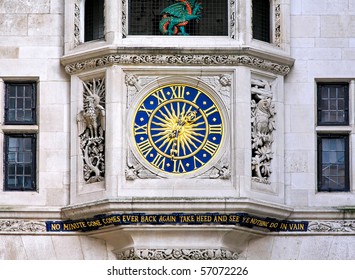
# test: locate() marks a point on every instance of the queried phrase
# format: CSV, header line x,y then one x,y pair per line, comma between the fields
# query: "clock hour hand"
x,y
189,118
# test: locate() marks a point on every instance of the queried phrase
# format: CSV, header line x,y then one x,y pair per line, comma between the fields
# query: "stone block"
x,y
67,247
13,24
45,24
325,7
9,52
337,26
305,26
331,42
25,6
286,248
315,248
11,248
94,249
38,248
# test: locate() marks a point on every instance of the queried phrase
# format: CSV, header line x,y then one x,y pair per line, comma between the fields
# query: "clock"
x,y
177,129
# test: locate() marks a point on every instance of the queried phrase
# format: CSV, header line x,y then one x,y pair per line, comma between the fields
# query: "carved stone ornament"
x,y
91,130
176,59
76,23
22,226
277,17
177,254
331,226
263,125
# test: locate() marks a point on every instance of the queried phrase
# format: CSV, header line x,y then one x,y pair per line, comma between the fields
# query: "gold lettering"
x,y
210,110
197,96
159,161
161,98
144,109
178,166
196,159
178,91
216,128
145,147
210,147
140,129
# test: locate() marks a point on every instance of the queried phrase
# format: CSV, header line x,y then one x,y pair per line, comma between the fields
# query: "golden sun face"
x,y
178,129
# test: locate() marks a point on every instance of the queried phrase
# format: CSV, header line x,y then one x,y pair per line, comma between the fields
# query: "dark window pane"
x,y
20,100
261,20
333,104
147,18
333,163
94,20
20,162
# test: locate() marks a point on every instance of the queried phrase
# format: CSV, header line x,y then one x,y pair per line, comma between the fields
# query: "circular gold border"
x,y
166,103
194,87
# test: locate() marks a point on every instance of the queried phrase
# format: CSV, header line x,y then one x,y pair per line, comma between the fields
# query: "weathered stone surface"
x,y
25,6
13,24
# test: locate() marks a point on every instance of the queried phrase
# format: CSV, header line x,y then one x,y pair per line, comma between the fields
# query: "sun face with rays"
x,y
178,129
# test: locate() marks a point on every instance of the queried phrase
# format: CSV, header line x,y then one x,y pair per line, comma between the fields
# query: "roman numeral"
x,y
178,167
140,129
159,161
196,159
210,147
178,91
145,147
144,109
196,97
216,128
160,95
210,110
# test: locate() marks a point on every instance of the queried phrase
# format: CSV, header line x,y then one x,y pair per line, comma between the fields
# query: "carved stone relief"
x,y
263,125
76,23
221,84
177,59
331,226
91,130
22,226
277,28
177,254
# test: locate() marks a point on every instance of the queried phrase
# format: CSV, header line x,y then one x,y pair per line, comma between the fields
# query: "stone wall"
x,y
322,44
31,46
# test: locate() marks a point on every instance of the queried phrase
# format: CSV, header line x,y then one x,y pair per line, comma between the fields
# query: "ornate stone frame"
x,y
218,85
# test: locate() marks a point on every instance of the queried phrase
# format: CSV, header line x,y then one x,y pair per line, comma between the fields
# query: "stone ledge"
x,y
236,56
170,205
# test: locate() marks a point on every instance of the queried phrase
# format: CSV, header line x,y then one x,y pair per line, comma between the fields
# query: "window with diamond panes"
x,y
20,162
20,103
94,21
261,16
146,17
333,163
333,104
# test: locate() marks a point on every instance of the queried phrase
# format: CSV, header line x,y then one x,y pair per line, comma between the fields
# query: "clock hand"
x,y
189,118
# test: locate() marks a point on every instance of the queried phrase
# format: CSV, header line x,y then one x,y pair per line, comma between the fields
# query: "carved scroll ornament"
x,y
177,254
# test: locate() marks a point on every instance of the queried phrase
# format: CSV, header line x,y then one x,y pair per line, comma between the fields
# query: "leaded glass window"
x,y
20,162
333,162
333,104
261,20
146,18
94,20
20,103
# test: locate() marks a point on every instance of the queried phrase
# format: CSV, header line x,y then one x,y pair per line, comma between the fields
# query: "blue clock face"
x,y
178,129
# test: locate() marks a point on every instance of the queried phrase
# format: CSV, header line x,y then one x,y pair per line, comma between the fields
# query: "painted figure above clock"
x,y
177,16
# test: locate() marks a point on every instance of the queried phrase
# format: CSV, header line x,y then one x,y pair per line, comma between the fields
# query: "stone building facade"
x,y
72,97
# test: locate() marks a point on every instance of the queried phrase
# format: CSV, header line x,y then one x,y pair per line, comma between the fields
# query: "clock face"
x,y
178,129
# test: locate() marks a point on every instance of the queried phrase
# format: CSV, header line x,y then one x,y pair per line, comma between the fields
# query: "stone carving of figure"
x,y
91,130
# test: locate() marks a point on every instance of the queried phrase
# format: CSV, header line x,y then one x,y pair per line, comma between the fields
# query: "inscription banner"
x,y
240,219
